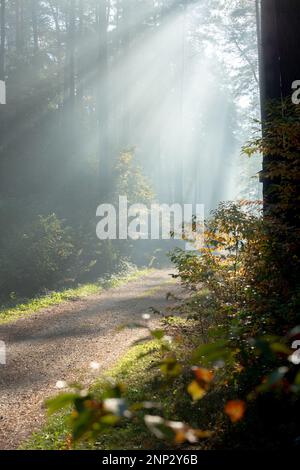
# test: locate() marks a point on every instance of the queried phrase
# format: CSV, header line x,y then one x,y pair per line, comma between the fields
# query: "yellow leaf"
x,y
196,391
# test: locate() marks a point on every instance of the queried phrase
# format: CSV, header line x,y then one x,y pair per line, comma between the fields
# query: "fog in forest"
x,y
149,230
149,99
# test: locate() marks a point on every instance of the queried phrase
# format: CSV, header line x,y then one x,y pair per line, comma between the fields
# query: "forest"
x,y
149,241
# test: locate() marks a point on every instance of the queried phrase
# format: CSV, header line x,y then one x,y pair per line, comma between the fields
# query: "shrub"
x,y
37,257
246,361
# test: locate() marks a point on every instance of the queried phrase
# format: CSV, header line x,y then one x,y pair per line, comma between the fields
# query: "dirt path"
x,y
60,342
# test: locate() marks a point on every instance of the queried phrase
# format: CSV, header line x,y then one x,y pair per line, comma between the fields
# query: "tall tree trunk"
x,y
279,68
18,26
3,37
71,46
80,52
102,100
34,15
127,32
60,79
179,189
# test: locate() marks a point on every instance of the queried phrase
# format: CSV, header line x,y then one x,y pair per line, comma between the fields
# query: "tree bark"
x,y
103,100
279,68
71,45
3,37
80,42
34,22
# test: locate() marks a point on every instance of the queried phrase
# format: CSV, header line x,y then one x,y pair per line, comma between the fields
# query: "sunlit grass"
x,y
138,371
134,371
34,305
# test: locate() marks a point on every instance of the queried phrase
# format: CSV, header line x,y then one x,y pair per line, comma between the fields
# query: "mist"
x,y
146,99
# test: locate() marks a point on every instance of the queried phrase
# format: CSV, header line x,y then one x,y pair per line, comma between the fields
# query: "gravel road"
x,y
60,342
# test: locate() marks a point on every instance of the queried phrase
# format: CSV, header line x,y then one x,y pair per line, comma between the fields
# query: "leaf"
x,y
297,379
202,374
82,423
203,434
212,352
235,409
110,419
170,367
115,391
116,406
196,391
60,401
180,437
280,348
158,334
272,379
157,425
184,433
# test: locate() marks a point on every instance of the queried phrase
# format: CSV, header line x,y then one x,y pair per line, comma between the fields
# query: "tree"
x,y
3,36
19,26
279,68
102,101
34,16
70,56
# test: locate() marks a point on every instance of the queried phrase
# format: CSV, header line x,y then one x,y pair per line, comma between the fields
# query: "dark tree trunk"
x,y
279,68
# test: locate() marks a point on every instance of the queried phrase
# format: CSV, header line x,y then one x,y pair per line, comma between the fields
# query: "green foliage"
x,y
280,144
40,253
243,293
247,353
133,371
130,181
37,257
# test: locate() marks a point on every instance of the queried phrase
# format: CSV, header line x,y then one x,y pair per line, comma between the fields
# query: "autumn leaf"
x,y
196,391
191,435
180,437
202,374
184,433
235,409
203,434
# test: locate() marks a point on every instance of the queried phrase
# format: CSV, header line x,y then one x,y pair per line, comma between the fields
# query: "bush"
x,y
245,371
37,257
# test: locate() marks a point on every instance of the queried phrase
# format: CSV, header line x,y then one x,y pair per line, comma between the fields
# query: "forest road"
x,y
60,342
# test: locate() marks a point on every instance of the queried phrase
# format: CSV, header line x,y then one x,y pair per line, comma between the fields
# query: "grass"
x,y
30,306
139,372
134,371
